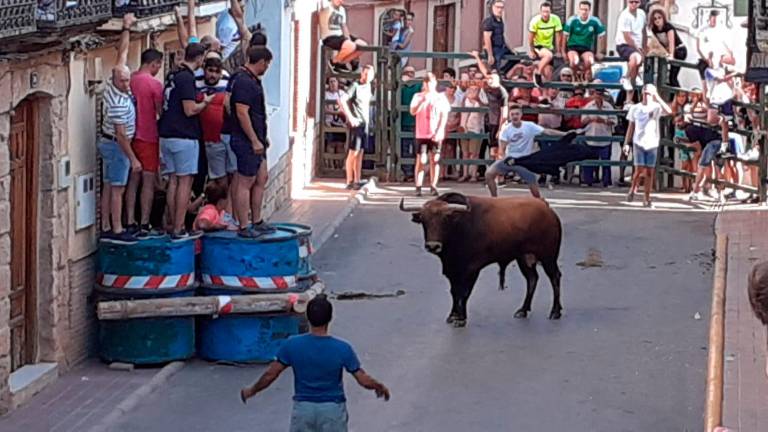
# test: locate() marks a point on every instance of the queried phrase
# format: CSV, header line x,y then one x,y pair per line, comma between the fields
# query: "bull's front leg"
x,y
456,307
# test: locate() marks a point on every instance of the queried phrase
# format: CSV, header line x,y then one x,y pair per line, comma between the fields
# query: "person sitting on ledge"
x,y
213,216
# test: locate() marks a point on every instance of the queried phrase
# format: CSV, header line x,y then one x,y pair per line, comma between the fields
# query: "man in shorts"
x,y
356,105
709,141
494,44
335,35
631,40
581,34
430,108
644,133
249,142
318,361
148,92
221,159
179,129
545,40
517,139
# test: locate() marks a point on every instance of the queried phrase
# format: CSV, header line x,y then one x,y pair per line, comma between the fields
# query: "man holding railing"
x,y
545,41
581,34
335,35
494,44
709,141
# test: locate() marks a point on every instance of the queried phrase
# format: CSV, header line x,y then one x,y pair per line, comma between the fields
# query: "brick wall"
x,y
278,191
81,310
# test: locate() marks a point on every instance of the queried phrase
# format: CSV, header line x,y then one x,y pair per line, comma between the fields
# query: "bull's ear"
x,y
416,217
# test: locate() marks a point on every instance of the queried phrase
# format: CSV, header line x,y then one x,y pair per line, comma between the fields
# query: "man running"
x,y
318,360
517,140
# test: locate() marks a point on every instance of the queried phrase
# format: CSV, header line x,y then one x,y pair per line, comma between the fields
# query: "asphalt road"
x,y
628,355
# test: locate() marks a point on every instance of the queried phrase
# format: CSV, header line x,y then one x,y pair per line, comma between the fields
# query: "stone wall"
x,y
278,191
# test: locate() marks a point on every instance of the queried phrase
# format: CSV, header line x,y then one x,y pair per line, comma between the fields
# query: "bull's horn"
x,y
458,207
409,208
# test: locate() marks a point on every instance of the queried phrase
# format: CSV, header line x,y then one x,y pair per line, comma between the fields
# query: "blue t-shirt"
x,y
318,363
174,123
247,90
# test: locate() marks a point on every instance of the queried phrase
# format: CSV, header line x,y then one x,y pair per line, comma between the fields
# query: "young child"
x,y
211,216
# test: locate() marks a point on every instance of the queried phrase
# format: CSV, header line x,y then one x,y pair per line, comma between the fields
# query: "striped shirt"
x,y
219,87
118,109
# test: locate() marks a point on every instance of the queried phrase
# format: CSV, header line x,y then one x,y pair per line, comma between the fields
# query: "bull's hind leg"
x,y
528,268
502,275
553,272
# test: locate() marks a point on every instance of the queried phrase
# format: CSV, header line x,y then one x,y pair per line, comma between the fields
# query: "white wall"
x,y
276,20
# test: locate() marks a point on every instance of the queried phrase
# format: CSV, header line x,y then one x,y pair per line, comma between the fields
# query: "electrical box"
x,y
65,176
85,197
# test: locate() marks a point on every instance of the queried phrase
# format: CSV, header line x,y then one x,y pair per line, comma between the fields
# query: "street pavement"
x,y
628,355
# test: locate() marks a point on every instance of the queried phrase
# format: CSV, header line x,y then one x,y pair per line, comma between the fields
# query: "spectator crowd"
x,y
564,70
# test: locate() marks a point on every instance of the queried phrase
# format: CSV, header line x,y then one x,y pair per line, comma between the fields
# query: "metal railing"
x,y
144,8
67,13
17,17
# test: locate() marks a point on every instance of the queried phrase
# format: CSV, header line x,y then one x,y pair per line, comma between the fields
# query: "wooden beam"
x,y
208,305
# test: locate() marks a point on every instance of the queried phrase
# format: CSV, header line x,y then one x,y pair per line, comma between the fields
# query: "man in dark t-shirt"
x,y
249,141
318,361
356,105
493,39
179,130
709,141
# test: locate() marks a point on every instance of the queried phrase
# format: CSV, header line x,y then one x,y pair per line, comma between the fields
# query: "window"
x,y
740,8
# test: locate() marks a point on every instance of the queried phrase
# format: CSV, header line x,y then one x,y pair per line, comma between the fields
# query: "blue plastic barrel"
x,y
149,264
145,340
244,338
304,234
266,264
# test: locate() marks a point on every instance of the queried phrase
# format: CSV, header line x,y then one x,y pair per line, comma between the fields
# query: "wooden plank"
x,y
207,305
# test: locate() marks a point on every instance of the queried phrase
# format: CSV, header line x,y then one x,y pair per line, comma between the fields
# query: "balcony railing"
x,y
144,8
67,13
17,17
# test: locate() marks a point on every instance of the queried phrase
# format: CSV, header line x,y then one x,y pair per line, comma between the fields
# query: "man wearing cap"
x,y
318,360
643,131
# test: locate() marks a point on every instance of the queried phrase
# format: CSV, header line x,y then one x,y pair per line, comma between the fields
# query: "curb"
x,y
713,408
138,395
352,202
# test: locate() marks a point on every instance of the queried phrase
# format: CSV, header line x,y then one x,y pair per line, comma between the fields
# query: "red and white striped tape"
x,y
145,282
274,282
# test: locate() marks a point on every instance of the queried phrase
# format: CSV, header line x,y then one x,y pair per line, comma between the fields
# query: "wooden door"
x,y
442,36
24,193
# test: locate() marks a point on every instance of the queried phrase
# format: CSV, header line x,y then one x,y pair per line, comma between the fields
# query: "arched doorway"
x,y
23,198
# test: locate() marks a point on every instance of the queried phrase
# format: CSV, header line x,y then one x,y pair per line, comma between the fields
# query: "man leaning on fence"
x,y
117,130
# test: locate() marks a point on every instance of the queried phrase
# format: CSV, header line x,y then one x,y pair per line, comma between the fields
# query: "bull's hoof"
x,y
451,318
501,287
521,314
459,323
555,315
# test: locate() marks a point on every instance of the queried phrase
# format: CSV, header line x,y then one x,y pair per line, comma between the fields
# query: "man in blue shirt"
x,y
318,360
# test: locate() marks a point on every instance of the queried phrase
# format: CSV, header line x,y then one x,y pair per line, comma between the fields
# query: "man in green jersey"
x,y
581,33
545,39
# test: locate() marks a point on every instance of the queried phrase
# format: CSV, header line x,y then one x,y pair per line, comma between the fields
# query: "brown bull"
x,y
757,289
468,233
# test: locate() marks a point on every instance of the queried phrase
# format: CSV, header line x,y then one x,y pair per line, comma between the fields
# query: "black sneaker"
x,y
537,81
433,191
418,191
123,237
349,186
147,232
184,235
357,186
338,67
263,227
249,232
132,228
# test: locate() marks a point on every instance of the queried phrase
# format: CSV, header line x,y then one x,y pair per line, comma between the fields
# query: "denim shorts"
x,y
117,166
248,162
221,158
709,152
319,416
643,157
179,156
501,167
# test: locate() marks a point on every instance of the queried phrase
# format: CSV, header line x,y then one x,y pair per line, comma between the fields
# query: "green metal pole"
x,y
321,141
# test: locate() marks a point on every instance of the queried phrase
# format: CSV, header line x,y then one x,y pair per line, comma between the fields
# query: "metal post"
x,y
762,168
321,141
397,117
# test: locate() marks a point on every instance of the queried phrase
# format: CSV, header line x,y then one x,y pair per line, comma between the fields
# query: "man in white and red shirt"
x,y
148,92
430,108
221,160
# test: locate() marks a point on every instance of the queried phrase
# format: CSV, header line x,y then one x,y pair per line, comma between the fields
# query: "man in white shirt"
x,y
334,34
599,125
517,138
711,42
643,131
631,41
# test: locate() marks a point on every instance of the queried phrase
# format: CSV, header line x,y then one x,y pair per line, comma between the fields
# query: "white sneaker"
x,y
741,195
696,196
626,84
